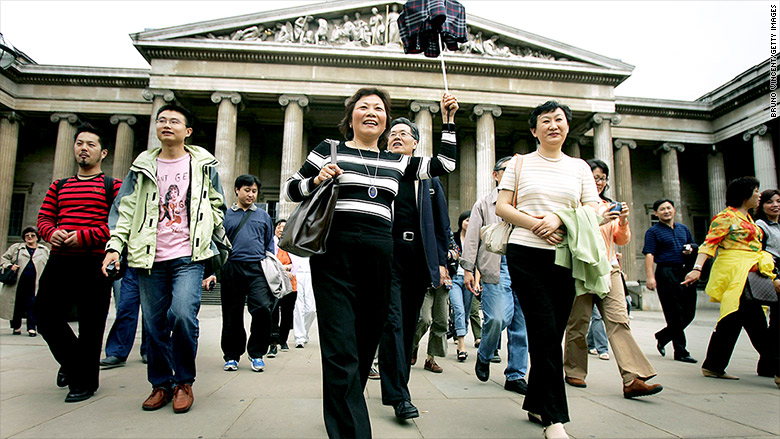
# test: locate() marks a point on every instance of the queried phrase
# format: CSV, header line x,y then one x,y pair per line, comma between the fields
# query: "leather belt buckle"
x,y
408,236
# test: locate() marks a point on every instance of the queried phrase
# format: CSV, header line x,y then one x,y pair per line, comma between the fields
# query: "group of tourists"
x,y
393,269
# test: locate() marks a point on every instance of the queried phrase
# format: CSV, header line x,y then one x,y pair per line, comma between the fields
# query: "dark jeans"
x,y
724,337
282,318
772,353
23,302
122,334
678,303
69,281
244,282
170,300
351,283
546,294
410,281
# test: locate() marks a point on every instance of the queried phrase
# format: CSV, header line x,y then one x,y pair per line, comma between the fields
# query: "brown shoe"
x,y
640,388
576,382
432,366
713,374
182,398
159,397
414,357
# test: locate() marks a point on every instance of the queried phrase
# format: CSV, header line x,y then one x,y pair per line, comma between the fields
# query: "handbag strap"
x,y
518,168
241,224
334,152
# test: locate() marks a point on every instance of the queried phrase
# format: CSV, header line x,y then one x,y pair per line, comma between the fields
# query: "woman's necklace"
x,y
372,191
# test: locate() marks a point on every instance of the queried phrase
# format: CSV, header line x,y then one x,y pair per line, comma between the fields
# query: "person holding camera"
x,y
631,361
668,244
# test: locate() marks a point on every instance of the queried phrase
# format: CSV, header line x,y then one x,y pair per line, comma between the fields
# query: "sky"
x,y
680,49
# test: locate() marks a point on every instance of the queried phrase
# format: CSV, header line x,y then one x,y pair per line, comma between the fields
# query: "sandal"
x,y
18,331
462,355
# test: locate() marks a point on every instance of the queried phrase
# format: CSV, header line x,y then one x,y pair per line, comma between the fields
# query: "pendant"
x,y
372,192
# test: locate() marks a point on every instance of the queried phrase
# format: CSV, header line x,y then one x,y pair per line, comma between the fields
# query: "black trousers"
x,y
69,281
724,337
351,282
23,302
678,303
244,282
770,360
410,281
282,318
546,294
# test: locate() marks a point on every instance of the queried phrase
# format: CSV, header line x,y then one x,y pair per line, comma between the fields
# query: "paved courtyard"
x,y
285,401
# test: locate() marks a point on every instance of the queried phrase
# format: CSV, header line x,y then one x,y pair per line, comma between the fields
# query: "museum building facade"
x,y
266,88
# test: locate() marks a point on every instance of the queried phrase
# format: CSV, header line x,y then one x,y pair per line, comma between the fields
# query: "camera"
x,y
112,270
616,207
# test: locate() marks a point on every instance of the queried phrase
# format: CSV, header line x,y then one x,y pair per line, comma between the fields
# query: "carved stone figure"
x,y
348,30
491,49
284,32
301,27
393,33
321,37
361,33
474,44
377,25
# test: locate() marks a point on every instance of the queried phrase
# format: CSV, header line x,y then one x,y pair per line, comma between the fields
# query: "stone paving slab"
x,y
285,401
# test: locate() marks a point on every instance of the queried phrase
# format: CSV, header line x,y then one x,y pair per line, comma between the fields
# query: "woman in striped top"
x,y
352,279
547,180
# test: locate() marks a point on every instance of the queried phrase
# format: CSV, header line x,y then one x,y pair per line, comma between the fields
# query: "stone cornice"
x,y
77,76
383,60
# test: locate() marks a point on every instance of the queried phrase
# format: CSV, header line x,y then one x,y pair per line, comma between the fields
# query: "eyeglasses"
x,y
400,134
30,235
601,179
173,122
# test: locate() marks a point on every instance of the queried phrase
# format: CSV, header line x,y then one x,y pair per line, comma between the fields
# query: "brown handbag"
x,y
307,228
496,235
760,289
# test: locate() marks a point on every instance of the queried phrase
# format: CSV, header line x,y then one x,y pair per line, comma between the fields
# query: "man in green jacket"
x,y
164,215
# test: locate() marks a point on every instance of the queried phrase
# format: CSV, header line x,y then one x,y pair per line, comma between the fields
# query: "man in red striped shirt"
x,y
74,220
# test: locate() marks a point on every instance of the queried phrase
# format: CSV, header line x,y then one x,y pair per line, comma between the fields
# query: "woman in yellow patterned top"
x,y
737,239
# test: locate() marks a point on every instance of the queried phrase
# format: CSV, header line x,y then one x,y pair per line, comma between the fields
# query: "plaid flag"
x,y
421,22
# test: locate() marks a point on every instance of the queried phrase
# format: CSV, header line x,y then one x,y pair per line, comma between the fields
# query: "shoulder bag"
x,y
8,276
760,289
496,235
307,228
276,276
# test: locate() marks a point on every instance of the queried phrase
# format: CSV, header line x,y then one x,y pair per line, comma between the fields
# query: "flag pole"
x,y
443,69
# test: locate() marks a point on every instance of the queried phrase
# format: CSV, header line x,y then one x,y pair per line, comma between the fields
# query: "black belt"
x,y
405,236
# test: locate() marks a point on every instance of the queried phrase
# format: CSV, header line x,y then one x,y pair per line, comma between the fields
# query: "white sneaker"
x,y
604,356
555,431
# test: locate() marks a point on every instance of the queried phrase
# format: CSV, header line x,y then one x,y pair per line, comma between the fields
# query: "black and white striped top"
x,y
390,168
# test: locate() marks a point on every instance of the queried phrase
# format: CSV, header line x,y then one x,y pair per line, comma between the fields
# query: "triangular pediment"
x,y
356,28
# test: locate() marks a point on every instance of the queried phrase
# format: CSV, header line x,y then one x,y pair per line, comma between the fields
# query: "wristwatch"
x,y
696,267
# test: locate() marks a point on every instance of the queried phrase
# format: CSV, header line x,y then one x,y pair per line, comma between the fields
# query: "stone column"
x,y
9,142
467,166
624,190
716,177
64,156
486,147
602,140
763,156
123,149
158,99
225,143
292,144
423,118
242,153
670,174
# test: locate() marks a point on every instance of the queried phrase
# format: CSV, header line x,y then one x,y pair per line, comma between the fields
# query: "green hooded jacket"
x,y
135,213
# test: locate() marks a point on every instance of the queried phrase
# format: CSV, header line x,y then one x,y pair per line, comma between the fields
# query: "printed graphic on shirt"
x,y
173,231
171,206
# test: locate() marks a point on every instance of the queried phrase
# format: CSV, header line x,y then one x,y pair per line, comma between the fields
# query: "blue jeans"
x,y
597,333
122,334
170,300
460,298
501,310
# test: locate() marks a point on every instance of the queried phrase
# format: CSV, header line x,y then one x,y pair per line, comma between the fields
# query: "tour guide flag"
x,y
428,25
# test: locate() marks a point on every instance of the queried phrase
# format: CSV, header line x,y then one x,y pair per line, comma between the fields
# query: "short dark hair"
x,y
500,163
247,180
31,229
87,127
412,126
548,107
658,203
189,119
765,197
740,189
344,125
463,215
279,221
598,164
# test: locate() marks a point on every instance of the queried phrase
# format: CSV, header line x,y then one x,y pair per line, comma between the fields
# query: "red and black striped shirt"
x,y
79,206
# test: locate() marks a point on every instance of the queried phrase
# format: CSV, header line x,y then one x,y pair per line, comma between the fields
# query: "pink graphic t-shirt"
x,y
173,230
